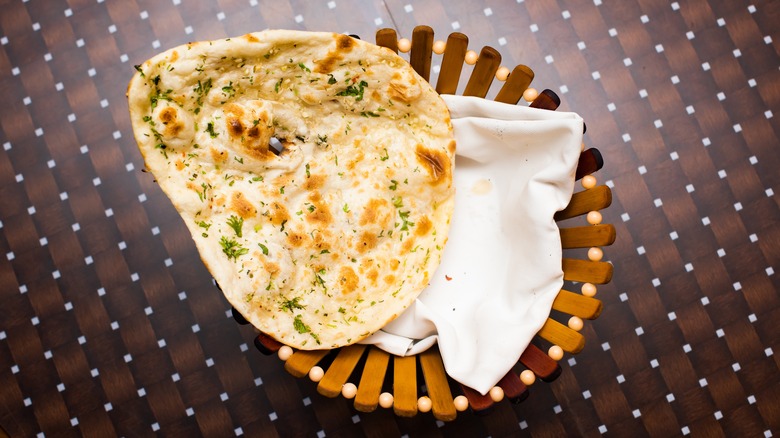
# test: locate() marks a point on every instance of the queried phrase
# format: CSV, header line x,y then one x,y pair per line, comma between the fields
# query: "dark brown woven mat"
x,y
110,325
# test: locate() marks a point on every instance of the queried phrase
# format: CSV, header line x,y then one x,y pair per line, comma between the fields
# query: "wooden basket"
x,y
332,369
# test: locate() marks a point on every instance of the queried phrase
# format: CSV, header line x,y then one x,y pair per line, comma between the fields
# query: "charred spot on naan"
x,y
436,162
170,119
278,214
251,38
424,226
405,88
321,213
344,44
348,280
242,206
314,182
368,241
296,239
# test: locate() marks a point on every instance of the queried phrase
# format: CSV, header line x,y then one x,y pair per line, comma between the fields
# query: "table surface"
x,y
110,324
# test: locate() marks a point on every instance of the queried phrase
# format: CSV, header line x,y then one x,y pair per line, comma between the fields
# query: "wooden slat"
x,y
452,63
514,389
405,386
540,363
589,162
517,82
587,271
370,385
266,344
484,71
547,99
577,305
387,38
301,361
339,371
597,198
586,237
559,334
437,384
477,402
422,51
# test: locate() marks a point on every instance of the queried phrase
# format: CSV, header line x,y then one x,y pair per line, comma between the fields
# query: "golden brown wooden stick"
x,y
452,63
585,237
338,372
422,51
517,82
301,361
557,333
370,385
405,386
484,71
587,271
597,198
437,384
387,38
577,305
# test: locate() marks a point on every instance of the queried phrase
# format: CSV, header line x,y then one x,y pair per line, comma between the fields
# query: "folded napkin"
x,y
501,268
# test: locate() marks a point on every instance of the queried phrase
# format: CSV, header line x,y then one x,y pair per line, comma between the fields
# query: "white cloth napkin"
x,y
501,268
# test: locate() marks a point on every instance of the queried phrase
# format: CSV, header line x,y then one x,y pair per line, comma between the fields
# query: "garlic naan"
x,y
324,243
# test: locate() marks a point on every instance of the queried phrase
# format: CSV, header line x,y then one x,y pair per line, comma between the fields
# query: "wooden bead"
x,y
555,352
589,289
588,181
439,47
471,57
595,254
424,404
502,73
386,400
530,94
349,390
594,218
316,373
496,394
404,45
528,377
285,352
575,323
461,403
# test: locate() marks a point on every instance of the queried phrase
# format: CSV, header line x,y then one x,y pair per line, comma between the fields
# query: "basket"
x,y
363,372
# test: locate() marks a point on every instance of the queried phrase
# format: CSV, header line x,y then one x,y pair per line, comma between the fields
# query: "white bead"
x,y
594,218
424,404
316,373
555,352
439,47
530,94
285,352
386,400
461,403
502,73
496,394
595,254
588,181
404,45
471,57
589,289
528,377
349,390
575,323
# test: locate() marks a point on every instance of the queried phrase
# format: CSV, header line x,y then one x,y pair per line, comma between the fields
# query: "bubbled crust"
x,y
323,244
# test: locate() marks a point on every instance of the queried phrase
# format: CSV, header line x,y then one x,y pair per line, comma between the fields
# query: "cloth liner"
x,y
501,268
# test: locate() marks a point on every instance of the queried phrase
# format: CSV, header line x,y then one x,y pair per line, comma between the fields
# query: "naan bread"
x,y
323,244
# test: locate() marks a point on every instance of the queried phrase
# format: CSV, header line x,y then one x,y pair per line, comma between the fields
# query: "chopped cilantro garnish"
x,y
263,248
236,223
231,248
292,304
356,92
210,130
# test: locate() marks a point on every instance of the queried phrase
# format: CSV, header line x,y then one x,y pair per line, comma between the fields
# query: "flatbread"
x,y
324,243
